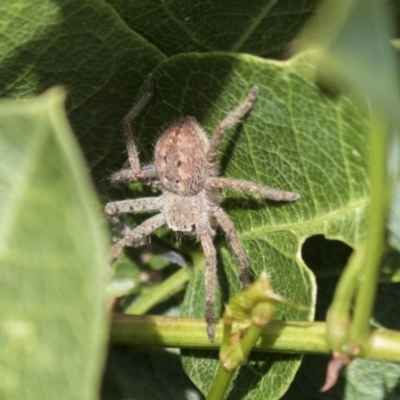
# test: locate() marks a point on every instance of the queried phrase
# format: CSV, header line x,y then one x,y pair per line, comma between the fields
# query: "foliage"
x,y
301,136
52,257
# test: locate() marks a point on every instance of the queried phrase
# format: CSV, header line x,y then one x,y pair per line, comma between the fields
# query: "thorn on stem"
x,y
335,365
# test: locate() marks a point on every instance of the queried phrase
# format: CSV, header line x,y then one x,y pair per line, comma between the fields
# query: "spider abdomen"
x,y
180,157
184,213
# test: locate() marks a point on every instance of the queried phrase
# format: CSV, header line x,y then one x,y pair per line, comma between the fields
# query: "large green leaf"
x,y
153,375
359,36
84,45
251,26
52,254
296,138
87,46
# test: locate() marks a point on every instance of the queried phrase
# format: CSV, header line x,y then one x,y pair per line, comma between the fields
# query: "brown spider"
x,y
185,170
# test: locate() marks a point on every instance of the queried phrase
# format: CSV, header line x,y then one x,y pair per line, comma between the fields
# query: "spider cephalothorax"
x,y
180,158
185,170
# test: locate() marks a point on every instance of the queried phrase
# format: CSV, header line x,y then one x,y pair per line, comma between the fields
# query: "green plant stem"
x,y
338,319
368,279
251,336
278,336
384,345
220,385
168,287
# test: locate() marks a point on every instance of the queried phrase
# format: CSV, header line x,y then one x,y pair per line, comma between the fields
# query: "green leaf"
x,y
358,36
363,379
125,278
84,45
257,27
52,253
155,375
372,379
102,58
296,138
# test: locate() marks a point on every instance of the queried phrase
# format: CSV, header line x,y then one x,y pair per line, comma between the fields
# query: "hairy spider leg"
x,y
246,186
206,240
133,156
230,120
235,244
136,172
113,211
134,237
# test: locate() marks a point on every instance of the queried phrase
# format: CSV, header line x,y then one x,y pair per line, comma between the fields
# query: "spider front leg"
x,y
135,172
134,238
148,175
114,209
239,112
236,245
206,240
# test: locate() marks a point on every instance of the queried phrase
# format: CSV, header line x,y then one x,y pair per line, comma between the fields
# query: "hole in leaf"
x,y
325,257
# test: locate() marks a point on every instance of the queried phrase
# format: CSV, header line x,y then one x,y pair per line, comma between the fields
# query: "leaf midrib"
x,y
305,226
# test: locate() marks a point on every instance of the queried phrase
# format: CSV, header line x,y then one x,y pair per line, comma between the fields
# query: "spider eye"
x,y
178,164
165,158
